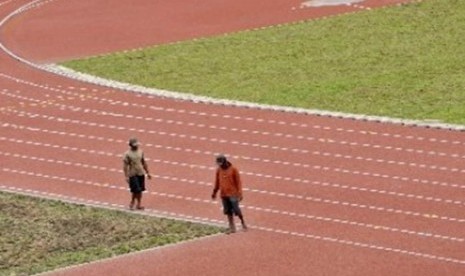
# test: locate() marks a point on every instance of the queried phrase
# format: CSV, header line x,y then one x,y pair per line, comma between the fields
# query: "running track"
x,y
324,196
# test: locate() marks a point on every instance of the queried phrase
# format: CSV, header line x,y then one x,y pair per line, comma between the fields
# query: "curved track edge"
x,y
71,74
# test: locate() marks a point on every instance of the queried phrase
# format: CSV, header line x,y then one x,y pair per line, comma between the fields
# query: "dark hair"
x,y
133,141
221,159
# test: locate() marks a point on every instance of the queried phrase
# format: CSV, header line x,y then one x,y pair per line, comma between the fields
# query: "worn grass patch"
x,y
38,235
402,62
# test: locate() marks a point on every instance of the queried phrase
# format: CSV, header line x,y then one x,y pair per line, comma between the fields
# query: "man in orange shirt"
x,y
228,181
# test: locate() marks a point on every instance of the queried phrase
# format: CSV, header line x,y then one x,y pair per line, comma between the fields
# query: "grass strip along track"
x,y
403,61
38,235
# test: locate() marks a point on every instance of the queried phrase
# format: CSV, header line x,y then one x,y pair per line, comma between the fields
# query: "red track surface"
x,y
324,196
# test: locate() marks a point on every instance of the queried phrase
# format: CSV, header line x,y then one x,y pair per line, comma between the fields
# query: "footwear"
x,y
244,227
230,231
140,207
232,226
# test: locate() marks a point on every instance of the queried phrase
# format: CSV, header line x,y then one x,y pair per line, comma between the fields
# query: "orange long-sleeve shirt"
x,y
228,182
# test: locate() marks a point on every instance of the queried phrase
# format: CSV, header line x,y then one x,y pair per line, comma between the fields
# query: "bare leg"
x,y
241,217
139,201
133,199
232,226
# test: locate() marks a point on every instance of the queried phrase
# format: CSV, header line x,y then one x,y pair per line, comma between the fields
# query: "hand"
x,y
149,176
241,198
214,196
127,180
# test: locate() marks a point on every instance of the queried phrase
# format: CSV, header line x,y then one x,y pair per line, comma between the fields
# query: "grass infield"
x,y
405,62
38,235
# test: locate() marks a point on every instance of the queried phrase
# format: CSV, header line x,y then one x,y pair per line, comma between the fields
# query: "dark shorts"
x,y
137,184
231,206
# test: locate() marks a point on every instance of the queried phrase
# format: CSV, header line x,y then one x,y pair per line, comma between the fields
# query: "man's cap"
x,y
221,159
134,142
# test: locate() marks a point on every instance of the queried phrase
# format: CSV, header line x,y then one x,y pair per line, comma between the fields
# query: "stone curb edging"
x,y
66,72
72,74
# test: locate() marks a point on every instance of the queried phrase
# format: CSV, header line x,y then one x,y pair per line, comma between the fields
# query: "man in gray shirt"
x,y
135,168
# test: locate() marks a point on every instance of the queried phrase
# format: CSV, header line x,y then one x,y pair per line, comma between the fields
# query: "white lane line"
x,y
38,5
199,219
421,166
223,128
313,237
5,2
323,168
311,183
325,3
376,208
276,134
235,117
255,159
95,203
313,167
388,162
196,99
258,209
223,141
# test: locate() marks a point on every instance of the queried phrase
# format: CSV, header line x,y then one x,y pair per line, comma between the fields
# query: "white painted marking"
x,y
324,3
228,116
273,211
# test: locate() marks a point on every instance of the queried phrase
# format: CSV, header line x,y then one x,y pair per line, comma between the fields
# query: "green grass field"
x,y
405,62
38,235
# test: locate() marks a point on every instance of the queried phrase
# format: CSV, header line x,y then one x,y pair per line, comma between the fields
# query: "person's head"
x,y
134,143
222,161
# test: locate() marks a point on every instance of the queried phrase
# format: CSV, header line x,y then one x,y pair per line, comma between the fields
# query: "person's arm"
x,y
146,168
217,185
126,168
237,180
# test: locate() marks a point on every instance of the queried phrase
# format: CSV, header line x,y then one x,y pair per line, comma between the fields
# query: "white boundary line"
x,y
283,109
342,204
266,229
66,72
313,4
260,175
430,199
122,256
49,101
116,207
77,93
247,158
6,2
252,132
330,114
62,71
256,208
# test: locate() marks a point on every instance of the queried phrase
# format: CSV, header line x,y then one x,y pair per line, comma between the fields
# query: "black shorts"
x,y
231,206
137,184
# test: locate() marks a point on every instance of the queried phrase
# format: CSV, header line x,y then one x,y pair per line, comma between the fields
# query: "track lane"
x,y
313,229
203,176
148,121
206,155
288,134
432,184
367,140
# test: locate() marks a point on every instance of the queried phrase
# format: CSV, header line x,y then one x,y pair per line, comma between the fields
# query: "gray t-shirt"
x,y
133,159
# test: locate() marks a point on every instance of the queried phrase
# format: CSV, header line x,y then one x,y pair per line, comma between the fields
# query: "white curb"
x,y
62,71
